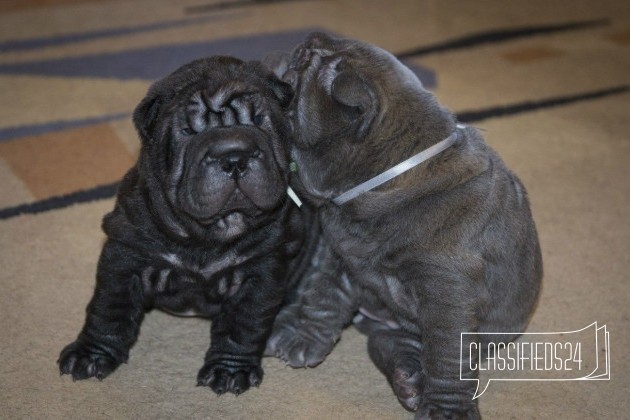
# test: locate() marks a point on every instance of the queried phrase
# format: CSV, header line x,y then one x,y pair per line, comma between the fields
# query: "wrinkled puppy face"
x,y
346,93
214,141
225,167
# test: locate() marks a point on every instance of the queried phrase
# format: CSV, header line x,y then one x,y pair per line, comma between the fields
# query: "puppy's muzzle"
x,y
232,155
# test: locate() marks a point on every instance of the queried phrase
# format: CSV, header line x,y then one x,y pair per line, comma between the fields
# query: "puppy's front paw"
x,y
433,412
82,361
300,343
224,378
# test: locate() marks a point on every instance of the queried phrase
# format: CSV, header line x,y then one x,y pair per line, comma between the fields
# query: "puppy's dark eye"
x,y
187,131
258,119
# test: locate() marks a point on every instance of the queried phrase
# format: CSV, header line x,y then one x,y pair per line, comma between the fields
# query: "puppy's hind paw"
x,y
299,348
83,361
407,383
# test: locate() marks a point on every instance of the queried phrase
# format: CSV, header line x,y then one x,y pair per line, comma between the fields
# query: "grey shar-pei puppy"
x,y
202,224
447,247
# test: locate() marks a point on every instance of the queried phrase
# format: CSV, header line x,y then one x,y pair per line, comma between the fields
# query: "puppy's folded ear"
x,y
145,116
351,90
356,97
282,90
271,69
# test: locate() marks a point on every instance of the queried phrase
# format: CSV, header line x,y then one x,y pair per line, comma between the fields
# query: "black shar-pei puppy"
x,y
202,225
446,247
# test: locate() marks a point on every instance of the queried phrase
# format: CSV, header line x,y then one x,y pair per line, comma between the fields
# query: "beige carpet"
x,y
68,84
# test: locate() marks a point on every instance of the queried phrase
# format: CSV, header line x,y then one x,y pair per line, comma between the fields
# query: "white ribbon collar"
x,y
399,169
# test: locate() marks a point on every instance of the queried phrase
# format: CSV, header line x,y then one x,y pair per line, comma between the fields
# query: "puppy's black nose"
x,y
232,155
235,163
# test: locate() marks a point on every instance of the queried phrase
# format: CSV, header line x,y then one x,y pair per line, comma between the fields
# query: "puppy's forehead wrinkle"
x,y
195,112
226,93
224,109
214,120
322,52
328,74
243,109
228,117
196,101
304,105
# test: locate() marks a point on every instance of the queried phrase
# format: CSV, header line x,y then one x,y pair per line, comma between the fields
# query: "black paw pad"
x,y
83,361
235,379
